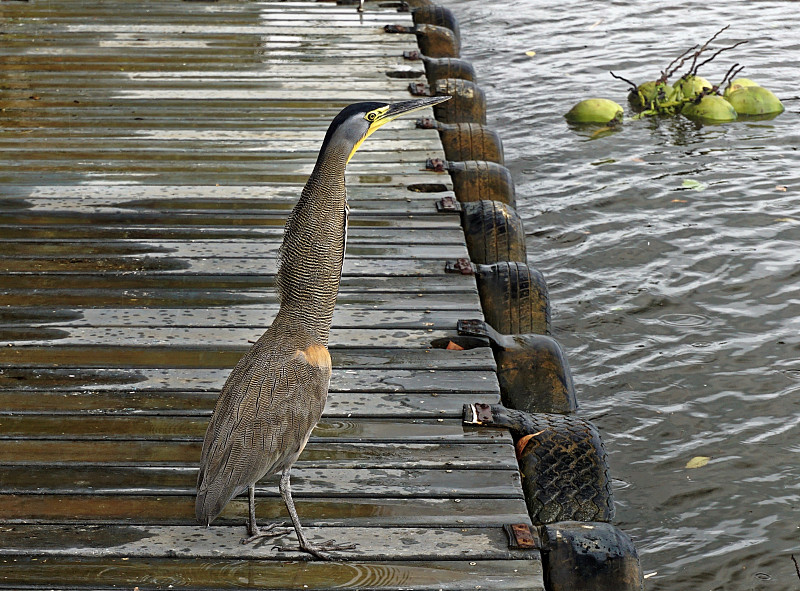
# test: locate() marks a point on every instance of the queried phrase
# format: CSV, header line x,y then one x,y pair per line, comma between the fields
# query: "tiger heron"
x,y
275,395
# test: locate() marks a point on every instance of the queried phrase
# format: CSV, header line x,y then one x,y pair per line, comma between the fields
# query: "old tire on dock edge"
x,y
514,298
493,232
565,473
580,556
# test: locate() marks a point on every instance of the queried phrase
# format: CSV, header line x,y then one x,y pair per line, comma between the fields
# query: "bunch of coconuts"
x,y
691,95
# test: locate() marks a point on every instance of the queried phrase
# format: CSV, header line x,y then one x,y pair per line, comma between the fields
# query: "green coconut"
x,y
595,110
711,108
736,84
755,100
688,87
641,97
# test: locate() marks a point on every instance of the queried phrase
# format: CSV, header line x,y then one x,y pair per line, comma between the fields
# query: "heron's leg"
x,y
253,531
286,493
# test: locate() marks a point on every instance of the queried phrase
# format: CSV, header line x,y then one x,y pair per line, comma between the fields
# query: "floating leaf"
x,y
694,185
530,53
595,24
451,346
679,201
780,188
698,462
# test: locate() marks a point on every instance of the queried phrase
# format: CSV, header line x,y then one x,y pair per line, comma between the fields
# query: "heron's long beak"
x,y
395,110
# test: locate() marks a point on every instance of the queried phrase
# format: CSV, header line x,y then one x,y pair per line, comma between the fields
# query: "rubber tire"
x,y
493,231
514,298
579,556
565,473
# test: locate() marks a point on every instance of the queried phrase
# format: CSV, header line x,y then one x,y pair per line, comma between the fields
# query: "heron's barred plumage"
x,y
274,397
276,393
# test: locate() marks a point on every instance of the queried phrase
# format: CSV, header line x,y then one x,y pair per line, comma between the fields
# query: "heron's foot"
x,y
273,530
321,550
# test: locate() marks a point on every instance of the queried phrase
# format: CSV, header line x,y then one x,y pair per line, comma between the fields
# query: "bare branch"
x,y
635,86
667,72
696,68
732,72
693,69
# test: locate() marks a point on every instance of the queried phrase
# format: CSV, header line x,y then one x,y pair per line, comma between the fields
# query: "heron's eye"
x,y
371,116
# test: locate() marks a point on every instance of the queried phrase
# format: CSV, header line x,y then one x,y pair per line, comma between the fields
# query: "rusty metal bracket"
x,y
419,89
427,123
520,536
477,414
448,204
462,266
436,165
479,328
399,29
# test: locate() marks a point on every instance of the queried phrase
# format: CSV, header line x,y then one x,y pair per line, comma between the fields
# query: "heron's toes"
x,y
321,550
265,533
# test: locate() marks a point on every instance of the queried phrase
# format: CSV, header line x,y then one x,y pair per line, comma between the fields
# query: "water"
x,y
678,307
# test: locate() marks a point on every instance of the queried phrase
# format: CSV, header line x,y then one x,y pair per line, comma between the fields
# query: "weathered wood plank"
x,y
217,337
105,574
318,511
366,285
150,264
194,197
223,542
368,247
228,317
316,482
465,455
177,428
339,405
94,356
368,379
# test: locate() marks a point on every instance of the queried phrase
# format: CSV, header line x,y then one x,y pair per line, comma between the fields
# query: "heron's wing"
x,y
262,420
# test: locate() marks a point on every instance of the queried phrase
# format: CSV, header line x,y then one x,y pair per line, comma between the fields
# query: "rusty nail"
x,y
412,55
426,123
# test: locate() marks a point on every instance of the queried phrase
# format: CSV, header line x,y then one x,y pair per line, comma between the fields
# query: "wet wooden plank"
x,y
493,454
93,356
339,405
319,511
367,286
223,542
367,379
105,574
371,267
306,481
195,197
178,428
230,317
206,337
370,247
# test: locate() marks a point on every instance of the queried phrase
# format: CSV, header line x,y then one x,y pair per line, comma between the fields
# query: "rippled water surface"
x,y
678,306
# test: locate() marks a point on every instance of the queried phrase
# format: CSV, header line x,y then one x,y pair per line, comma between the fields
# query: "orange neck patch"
x,y
317,355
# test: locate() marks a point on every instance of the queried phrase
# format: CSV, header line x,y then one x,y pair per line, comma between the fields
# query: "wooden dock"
x,y
151,153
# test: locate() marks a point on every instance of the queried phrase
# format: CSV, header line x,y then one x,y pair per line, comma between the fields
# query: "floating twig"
x,y
635,86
